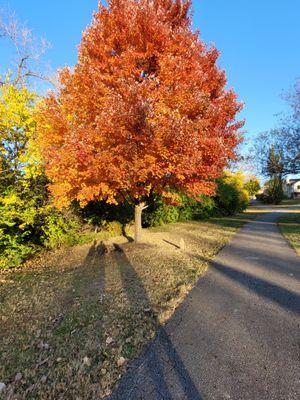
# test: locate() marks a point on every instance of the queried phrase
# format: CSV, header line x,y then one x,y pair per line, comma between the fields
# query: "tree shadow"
x,y
171,243
277,294
281,264
160,368
124,233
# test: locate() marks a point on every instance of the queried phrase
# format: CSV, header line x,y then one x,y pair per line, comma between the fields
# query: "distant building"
x,y
291,188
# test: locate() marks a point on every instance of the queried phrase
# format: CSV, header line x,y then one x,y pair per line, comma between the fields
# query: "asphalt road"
x,y
237,335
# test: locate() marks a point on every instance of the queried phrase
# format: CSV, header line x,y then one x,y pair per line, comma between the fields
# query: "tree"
x,y
18,153
22,191
252,186
274,164
145,110
27,220
273,193
28,52
274,170
285,140
17,126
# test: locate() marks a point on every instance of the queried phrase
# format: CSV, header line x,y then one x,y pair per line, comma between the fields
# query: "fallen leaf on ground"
x,y
121,361
109,340
18,377
87,361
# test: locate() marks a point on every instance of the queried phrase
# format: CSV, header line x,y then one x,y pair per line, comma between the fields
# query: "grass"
x,y
291,202
290,228
284,204
71,320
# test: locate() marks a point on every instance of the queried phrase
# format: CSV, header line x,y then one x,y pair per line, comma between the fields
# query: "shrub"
x,y
192,209
227,199
158,213
14,250
231,196
113,228
19,234
60,229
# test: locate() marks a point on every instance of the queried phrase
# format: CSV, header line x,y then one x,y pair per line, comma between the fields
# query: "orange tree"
x,y
144,110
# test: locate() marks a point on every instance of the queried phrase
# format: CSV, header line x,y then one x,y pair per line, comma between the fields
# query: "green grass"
x,y
290,228
70,315
291,202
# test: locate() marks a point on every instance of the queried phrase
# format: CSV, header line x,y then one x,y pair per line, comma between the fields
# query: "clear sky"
x,y
259,41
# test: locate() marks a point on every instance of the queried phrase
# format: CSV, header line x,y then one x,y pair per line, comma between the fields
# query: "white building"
x,y
291,188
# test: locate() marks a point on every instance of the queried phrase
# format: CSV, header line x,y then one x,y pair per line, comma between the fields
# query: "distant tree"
x,y
145,110
252,186
274,164
285,140
273,190
274,170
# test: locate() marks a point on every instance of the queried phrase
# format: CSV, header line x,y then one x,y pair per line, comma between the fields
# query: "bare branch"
x,y
27,51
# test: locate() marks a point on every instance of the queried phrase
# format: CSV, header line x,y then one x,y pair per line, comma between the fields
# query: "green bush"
x,y
60,229
18,234
227,199
113,228
28,223
158,213
231,196
192,209
14,250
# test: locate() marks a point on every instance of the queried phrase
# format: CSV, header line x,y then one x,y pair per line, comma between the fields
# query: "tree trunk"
x,y
138,221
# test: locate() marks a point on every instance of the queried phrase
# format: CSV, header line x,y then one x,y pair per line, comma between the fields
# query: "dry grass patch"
x,y
72,320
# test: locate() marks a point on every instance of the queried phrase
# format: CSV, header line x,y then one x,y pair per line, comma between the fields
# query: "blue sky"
x,y
259,42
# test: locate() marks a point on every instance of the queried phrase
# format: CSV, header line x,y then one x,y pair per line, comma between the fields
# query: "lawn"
x,y
291,202
290,228
72,320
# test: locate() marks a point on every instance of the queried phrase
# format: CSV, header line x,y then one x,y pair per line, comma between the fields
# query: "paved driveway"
x,y
237,335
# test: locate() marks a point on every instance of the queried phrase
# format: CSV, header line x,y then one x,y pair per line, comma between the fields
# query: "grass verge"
x,y
73,319
291,202
290,228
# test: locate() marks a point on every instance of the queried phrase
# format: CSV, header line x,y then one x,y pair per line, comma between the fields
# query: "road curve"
x,y
237,335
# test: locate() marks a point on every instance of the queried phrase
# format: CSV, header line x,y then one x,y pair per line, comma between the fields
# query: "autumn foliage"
x,y
144,110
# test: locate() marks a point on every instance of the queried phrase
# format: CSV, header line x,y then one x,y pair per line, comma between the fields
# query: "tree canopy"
x,y
252,185
17,126
145,109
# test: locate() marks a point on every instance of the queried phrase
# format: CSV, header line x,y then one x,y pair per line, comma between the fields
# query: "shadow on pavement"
x,y
283,297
